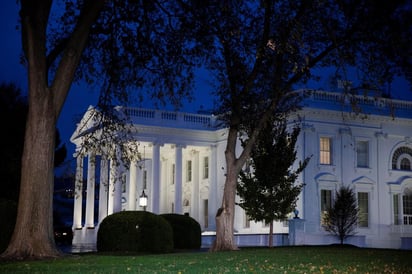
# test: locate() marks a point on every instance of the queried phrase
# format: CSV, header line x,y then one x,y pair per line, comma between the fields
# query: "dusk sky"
x,y
81,96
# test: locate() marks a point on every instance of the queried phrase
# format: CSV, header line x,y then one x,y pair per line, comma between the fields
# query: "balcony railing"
x,y
171,118
319,98
314,98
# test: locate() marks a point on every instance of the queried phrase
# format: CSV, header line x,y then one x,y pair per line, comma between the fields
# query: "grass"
x,y
308,259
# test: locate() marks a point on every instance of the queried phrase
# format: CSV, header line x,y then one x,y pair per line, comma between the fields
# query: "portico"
x,y
178,173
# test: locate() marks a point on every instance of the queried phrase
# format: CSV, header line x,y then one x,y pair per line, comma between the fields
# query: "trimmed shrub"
x,y
8,213
139,231
186,231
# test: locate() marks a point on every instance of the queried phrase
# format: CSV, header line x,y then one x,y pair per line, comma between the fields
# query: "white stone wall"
x,y
196,138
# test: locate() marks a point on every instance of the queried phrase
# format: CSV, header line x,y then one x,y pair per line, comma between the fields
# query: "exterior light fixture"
x,y
143,200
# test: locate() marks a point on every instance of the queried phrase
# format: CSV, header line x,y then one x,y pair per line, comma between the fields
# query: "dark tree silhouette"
x,y
13,115
342,217
268,189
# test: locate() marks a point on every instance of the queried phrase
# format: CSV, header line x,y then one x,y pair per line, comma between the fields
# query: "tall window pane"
x,y
205,167
407,204
325,151
362,153
325,203
206,212
173,173
247,221
144,179
407,209
363,205
189,171
396,209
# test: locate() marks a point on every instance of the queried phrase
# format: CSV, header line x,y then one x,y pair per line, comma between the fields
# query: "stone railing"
x,y
171,118
401,229
318,98
313,98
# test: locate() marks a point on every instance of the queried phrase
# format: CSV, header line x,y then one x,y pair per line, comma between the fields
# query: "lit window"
x,y
363,206
362,153
325,151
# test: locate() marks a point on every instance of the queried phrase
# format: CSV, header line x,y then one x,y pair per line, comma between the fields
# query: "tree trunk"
x,y
225,217
271,234
33,235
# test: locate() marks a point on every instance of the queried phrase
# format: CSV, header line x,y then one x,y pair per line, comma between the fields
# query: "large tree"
x,y
260,51
117,43
268,189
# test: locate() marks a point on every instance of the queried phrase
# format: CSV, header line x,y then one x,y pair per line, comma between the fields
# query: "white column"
x,y
212,203
194,204
178,181
132,185
91,182
115,184
117,203
78,194
155,191
104,188
112,182
142,181
164,182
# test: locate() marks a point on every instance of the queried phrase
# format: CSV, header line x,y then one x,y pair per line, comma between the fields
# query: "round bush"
x,y
135,231
8,213
186,231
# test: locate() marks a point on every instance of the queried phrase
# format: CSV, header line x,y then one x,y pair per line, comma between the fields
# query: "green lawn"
x,y
328,259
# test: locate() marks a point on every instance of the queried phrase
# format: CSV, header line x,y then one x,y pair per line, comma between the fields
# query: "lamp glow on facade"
x,y
143,200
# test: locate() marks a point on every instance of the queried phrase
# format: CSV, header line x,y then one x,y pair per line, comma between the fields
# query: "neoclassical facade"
x,y
180,167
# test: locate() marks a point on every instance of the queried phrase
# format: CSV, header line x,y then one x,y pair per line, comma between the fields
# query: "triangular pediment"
x,y
326,177
86,124
363,180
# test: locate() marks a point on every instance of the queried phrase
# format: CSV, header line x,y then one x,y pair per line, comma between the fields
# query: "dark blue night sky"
x,y
81,96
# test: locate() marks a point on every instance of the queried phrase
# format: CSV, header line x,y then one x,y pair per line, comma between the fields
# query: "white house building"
x,y
180,166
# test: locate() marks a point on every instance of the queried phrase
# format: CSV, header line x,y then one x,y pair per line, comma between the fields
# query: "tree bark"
x,y
225,217
271,234
33,236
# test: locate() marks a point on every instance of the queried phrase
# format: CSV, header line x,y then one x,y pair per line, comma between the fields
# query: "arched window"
x,y
402,158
